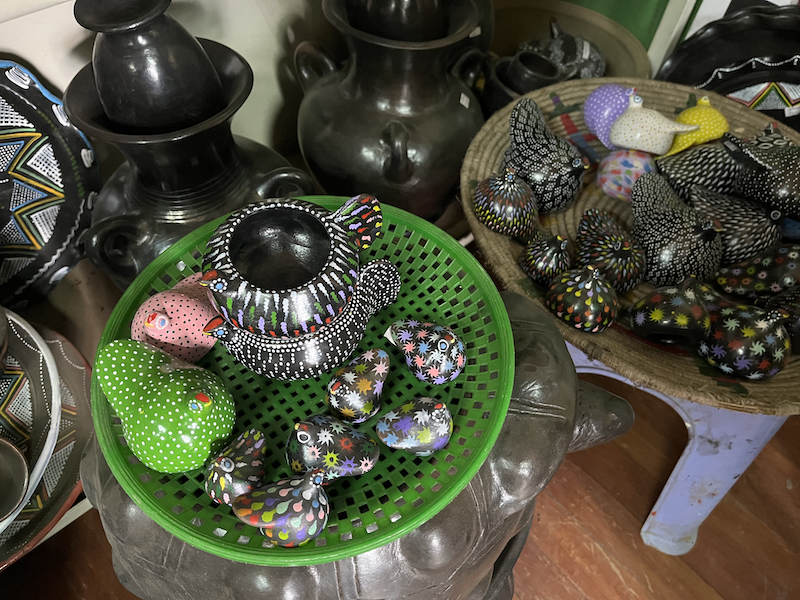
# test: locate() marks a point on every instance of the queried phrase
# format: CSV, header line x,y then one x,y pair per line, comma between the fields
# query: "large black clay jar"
x,y
166,101
397,118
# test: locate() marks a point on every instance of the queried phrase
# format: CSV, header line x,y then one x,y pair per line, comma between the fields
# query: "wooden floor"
x,y
585,543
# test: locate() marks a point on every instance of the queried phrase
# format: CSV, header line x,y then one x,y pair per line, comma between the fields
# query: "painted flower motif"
x,y
325,437
313,452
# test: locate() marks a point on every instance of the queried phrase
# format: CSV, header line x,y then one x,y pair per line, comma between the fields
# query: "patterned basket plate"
x,y
442,282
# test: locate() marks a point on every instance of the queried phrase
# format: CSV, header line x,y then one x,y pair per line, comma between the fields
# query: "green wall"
x,y
640,17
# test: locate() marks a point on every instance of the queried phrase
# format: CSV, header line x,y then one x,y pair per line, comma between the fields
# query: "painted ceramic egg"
x,y
433,352
789,301
674,314
543,259
324,442
605,245
763,275
602,107
173,320
420,427
354,391
746,228
747,342
238,469
173,413
505,204
620,169
290,512
583,299
711,124
677,241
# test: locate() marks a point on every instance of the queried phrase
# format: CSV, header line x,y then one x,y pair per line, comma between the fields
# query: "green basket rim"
x,y
309,555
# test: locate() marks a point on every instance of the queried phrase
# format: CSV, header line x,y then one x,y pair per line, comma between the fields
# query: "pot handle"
x,y
285,182
108,244
312,62
467,66
398,167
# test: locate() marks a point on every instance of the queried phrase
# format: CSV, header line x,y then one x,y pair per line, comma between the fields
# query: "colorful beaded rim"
x,y
441,282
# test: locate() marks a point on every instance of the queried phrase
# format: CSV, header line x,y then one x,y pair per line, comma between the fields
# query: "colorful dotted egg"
x,y
620,169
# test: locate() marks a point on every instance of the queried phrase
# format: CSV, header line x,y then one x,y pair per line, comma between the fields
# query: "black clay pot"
x,y
397,119
168,79
174,182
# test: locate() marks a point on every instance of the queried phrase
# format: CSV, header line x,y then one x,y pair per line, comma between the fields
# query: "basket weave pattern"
x,y
669,370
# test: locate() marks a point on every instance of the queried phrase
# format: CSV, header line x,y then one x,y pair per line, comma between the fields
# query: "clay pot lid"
x,y
106,16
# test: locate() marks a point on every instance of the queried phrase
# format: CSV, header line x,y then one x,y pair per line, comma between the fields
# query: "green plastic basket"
x,y
442,282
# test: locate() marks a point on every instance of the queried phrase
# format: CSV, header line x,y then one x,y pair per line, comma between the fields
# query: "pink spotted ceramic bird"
x,y
173,320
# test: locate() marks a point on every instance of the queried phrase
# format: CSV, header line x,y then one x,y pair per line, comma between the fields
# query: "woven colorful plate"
x,y
442,282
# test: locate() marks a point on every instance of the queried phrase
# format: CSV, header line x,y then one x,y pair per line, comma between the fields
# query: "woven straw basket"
x,y
666,369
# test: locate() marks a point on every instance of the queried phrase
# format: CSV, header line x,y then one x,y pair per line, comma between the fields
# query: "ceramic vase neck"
x,y
192,174
396,77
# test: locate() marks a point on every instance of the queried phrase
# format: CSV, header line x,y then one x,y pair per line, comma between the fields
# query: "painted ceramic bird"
x,y
173,413
421,427
769,176
711,124
603,243
354,391
746,227
324,442
677,241
434,353
238,469
290,512
507,205
645,129
173,320
543,259
551,166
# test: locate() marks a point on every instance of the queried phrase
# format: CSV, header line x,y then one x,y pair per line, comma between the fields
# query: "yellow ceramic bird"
x,y
711,124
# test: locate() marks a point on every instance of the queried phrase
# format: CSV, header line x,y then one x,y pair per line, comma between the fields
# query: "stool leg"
x,y
722,444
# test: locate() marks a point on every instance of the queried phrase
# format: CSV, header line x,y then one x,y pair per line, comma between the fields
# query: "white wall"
x,y
44,34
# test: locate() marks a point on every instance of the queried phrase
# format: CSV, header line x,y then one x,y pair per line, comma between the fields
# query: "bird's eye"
x,y
226,464
442,345
577,163
303,437
161,323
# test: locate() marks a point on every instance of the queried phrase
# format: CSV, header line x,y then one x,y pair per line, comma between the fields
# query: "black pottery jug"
x,y
184,166
397,118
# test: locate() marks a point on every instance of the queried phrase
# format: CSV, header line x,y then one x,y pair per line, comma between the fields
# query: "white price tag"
x,y
464,100
791,111
475,32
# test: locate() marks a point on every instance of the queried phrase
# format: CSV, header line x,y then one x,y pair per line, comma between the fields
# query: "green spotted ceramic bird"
x,y
174,415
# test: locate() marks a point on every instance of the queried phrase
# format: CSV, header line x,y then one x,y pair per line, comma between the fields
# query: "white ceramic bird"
x,y
645,129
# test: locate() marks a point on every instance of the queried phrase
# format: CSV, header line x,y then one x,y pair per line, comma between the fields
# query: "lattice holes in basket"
x,y
440,282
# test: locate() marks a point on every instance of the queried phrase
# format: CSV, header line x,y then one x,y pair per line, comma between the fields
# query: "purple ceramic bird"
x,y
602,107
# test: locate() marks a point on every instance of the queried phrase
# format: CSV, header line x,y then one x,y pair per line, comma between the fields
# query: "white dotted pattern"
x,y
156,396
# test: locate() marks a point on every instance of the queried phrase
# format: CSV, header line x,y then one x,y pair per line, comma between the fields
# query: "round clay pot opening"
x,y
279,249
537,63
